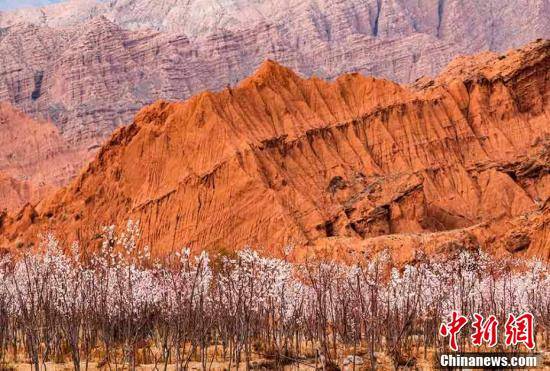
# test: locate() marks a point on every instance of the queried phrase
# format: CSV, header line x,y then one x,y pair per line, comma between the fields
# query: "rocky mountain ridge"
x,y
460,161
498,24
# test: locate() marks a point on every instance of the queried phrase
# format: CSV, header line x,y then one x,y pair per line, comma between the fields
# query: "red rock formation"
x,y
34,159
359,163
78,64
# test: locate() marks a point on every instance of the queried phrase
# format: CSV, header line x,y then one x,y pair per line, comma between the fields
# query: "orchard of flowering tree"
x,y
123,307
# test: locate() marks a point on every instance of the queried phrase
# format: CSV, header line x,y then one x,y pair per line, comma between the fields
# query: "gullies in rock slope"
x,y
359,163
34,158
89,66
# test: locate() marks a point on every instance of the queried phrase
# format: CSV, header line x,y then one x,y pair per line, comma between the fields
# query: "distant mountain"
x,y
498,24
34,159
16,4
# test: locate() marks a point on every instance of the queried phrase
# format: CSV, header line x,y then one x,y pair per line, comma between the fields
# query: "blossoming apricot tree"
x,y
54,304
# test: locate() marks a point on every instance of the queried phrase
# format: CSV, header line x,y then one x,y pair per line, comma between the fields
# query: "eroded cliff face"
x,y
34,159
89,67
358,163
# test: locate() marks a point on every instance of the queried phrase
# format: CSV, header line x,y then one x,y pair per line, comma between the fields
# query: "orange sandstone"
x,y
461,161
